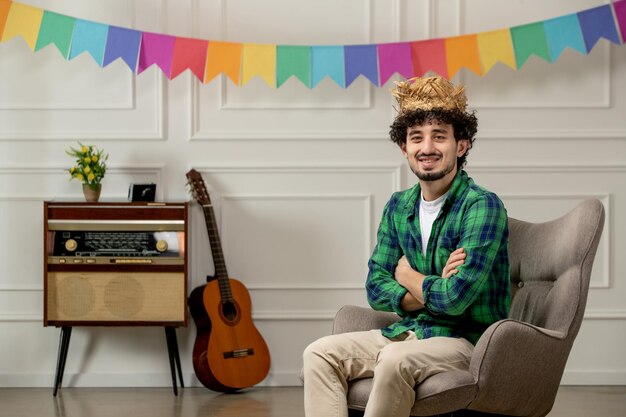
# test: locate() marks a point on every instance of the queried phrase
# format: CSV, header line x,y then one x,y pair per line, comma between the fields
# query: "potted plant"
x,y
89,169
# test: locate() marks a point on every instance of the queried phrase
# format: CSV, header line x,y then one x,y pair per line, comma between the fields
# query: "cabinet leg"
x,y
64,344
174,357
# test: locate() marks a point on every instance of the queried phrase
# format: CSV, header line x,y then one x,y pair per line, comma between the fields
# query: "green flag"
x,y
293,60
529,40
57,29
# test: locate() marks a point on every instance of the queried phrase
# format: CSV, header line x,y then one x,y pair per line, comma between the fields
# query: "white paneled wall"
x,y
298,177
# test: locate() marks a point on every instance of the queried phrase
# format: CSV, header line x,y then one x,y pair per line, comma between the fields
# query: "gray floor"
x,y
257,402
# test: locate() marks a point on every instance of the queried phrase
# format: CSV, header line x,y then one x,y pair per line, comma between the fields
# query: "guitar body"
x,y
229,352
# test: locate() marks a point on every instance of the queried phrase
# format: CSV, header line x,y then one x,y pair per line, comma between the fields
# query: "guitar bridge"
x,y
238,353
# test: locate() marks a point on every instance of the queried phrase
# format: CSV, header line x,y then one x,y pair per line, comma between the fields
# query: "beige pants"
x,y
396,366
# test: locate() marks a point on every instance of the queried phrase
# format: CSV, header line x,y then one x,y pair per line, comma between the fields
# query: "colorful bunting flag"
x,y
156,49
5,5
24,21
56,29
598,23
394,58
429,55
259,60
496,46
223,57
327,61
189,54
122,43
293,61
361,60
564,32
275,64
462,51
529,40
620,15
89,37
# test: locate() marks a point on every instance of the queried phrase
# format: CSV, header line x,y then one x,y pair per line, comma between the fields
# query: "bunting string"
x,y
275,64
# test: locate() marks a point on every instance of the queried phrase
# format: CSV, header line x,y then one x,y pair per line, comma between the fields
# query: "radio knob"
x,y
71,245
161,246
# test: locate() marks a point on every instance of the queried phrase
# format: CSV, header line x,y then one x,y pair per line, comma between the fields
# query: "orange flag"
x,y
223,57
5,5
462,51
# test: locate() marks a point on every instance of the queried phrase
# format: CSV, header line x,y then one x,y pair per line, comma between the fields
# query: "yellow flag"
x,y
462,51
259,60
496,46
23,21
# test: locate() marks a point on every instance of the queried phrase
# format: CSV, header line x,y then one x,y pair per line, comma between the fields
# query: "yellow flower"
x,y
87,160
90,177
79,176
72,169
87,170
94,158
84,149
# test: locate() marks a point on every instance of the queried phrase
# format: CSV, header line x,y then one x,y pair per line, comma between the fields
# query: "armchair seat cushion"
x,y
442,393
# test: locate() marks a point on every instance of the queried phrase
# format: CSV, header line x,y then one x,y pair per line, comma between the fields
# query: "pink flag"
x,y
392,58
156,49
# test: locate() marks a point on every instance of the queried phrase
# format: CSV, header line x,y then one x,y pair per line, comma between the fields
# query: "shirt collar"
x,y
459,185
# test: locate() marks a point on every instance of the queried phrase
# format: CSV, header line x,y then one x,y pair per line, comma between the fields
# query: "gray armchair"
x,y
518,362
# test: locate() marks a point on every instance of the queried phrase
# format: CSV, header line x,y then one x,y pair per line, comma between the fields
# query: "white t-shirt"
x,y
428,213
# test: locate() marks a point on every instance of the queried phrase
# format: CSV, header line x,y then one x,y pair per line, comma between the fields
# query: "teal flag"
x,y
328,61
564,32
89,37
529,40
56,29
293,61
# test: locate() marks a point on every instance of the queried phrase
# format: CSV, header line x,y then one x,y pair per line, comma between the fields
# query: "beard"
x,y
434,175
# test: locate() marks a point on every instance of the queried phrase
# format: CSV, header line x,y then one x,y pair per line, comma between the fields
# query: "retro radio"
x,y
115,264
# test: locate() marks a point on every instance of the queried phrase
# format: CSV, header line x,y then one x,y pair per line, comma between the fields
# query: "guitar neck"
x,y
221,273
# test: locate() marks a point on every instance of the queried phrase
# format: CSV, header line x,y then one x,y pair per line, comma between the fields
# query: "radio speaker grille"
x,y
111,296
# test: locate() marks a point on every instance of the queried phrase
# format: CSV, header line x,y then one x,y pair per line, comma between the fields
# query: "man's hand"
x,y
411,280
456,259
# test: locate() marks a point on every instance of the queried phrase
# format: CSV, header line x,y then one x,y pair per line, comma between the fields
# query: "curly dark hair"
x,y
465,126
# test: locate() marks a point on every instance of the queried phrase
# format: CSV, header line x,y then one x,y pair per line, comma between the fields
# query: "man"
x,y
440,262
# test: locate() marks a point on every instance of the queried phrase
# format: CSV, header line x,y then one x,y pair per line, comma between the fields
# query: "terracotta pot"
x,y
92,193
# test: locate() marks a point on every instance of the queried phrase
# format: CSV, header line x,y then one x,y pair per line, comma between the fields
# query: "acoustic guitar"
x,y
229,353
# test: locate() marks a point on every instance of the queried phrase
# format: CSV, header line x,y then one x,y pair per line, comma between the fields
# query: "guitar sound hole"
x,y
229,311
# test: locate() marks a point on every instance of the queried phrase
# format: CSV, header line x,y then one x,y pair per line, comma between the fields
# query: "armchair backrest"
x,y
551,267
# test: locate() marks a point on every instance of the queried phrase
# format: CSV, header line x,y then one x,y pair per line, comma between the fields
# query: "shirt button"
x,y
520,284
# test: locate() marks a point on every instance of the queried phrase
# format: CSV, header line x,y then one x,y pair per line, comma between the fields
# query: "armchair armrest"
x,y
514,361
353,319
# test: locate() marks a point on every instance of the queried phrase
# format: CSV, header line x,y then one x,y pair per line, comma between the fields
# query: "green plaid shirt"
x,y
465,304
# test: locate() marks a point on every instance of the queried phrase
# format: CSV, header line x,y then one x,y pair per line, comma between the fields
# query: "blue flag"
x,y
598,23
361,60
122,43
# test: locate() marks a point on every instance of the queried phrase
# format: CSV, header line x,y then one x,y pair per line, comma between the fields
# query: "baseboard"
x,y
278,379
150,380
594,378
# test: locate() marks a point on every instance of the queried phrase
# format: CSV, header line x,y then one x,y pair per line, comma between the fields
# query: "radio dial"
x,y
161,246
71,245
